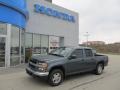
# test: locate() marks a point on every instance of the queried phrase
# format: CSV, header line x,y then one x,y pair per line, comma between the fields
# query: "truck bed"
x,y
100,57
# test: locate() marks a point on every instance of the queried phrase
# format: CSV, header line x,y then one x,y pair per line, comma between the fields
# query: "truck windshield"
x,y
63,52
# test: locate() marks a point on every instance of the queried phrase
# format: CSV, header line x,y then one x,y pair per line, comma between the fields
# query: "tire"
x,y
56,77
99,69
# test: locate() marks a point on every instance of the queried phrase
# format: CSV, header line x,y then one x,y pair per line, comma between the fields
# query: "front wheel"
x,y
99,69
56,77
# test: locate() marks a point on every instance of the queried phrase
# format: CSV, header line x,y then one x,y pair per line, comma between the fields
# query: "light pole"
x,y
87,35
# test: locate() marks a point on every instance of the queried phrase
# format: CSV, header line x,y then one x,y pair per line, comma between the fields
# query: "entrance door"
x,y
2,51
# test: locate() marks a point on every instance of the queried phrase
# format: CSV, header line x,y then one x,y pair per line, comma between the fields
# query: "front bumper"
x,y
32,72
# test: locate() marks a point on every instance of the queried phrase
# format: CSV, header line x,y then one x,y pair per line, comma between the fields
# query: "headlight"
x,y
42,66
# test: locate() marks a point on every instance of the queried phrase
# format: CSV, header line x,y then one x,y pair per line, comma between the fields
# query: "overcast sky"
x,y
101,18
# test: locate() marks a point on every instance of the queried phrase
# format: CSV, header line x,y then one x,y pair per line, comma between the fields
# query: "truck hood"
x,y
47,58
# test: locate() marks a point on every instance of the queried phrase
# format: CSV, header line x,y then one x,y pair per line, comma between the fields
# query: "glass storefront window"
x,y
22,46
61,41
28,46
36,44
54,42
15,46
2,51
28,40
22,41
44,44
3,29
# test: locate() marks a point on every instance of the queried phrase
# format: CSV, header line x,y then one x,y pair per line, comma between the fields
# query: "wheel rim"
x,y
56,78
100,69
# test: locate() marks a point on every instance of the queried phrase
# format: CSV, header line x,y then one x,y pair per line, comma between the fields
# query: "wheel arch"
x,y
59,67
101,62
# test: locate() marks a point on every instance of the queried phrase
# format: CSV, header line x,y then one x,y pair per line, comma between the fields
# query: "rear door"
x,y
90,61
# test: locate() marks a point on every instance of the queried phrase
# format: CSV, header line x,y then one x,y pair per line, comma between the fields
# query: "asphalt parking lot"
x,y
109,80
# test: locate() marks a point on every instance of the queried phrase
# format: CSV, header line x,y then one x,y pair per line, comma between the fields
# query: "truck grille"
x,y
32,66
33,63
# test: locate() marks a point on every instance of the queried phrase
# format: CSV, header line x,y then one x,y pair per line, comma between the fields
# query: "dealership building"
x,y
33,27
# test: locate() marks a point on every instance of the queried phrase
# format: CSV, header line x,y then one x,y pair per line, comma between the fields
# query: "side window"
x,y
78,53
88,53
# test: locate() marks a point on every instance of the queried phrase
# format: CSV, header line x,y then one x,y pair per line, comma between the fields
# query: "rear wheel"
x,y
56,77
99,69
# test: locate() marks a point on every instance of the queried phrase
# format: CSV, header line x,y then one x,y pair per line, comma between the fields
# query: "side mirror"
x,y
73,57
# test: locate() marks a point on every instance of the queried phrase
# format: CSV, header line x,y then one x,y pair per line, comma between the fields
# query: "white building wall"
x,y
43,24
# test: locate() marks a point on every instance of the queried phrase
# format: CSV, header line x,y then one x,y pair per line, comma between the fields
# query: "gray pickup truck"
x,y
66,61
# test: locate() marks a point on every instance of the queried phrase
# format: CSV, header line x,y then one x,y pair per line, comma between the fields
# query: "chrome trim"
x,y
33,64
37,73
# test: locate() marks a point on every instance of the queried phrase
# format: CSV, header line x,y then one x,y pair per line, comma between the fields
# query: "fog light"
x,y
41,69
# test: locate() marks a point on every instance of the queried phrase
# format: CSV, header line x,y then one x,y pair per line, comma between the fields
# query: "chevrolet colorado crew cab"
x,y
66,61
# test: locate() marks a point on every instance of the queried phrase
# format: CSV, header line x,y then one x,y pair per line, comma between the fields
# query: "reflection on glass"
x,y
61,42
22,41
3,29
44,44
15,61
2,51
28,40
15,46
22,46
54,42
62,51
28,46
36,44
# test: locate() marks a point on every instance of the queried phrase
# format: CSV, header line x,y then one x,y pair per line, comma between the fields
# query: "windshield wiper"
x,y
56,54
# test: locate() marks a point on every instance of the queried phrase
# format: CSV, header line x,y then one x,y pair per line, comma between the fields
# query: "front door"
x,y
76,65
2,51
